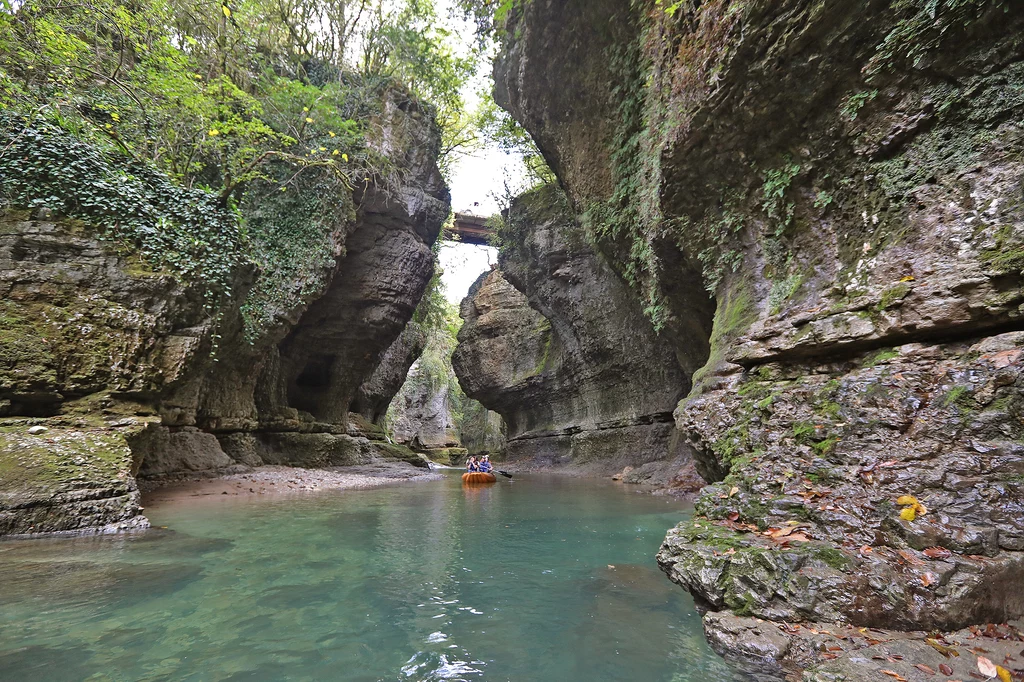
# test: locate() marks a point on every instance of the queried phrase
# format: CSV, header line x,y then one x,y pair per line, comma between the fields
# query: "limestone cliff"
x,y
554,342
845,179
110,370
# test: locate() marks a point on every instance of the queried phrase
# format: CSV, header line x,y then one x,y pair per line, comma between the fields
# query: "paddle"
x,y
504,473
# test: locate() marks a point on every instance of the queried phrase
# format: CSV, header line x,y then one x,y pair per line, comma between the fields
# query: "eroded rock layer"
x,y
846,179
110,371
555,343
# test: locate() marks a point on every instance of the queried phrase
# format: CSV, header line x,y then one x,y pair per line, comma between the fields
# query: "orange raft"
x,y
478,477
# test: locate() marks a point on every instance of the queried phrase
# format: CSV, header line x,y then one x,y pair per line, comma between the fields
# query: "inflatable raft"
x,y
478,477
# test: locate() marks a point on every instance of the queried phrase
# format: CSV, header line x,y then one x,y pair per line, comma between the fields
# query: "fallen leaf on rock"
x,y
946,669
1003,673
733,491
987,667
894,674
906,500
908,514
941,648
910,558
866,549
734,516
776,533
928,579
937,553
925,669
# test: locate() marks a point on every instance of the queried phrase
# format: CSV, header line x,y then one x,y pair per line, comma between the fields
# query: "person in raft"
x,y
485,464
472,465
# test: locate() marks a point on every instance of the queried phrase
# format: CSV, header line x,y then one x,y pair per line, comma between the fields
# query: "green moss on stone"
x,y
893,295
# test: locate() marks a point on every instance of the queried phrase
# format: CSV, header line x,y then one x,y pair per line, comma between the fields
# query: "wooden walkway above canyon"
x,y
470,229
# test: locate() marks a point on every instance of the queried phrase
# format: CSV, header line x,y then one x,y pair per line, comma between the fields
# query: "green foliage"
x,y
439,322
855,102
923,26
881,357
960,396
205,136
630,218
782,290
501,130
893,295
774,202
183,231
1008,254
490,16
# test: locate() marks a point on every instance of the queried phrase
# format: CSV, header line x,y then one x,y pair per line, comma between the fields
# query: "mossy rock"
x,y
64,479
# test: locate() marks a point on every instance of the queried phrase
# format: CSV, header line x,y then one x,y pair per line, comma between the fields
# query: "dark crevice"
x,y
847,351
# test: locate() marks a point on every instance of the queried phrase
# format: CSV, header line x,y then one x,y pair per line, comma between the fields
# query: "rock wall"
x,y
422,414
846,179
483,431
555,343
109,371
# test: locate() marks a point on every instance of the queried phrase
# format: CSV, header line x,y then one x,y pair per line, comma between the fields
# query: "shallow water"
x,y
423,581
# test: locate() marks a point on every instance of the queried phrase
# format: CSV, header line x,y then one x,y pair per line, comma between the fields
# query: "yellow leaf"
x,y
227,11
908,278
908,514
305,108
283,188
322,149
1003,673
331,133
344,157
906,499
334,153
309,120
733,491
214,132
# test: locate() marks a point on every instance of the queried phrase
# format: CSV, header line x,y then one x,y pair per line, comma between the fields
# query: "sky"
x,y
476,180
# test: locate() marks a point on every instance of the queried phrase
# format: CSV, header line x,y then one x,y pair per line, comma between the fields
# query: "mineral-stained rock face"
x,y
554,342
846,178
122,368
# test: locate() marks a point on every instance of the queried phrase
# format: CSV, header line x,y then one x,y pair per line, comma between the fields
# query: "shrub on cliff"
x,y
203,134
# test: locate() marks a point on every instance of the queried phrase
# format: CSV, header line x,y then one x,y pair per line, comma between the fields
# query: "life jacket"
x,y
486,467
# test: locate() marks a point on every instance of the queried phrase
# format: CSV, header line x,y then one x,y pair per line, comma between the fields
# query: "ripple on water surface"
x,y
538,579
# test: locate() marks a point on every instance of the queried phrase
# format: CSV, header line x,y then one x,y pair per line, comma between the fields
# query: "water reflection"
x,y
545,579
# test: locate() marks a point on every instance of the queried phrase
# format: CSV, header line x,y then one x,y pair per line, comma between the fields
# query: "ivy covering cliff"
x,y
205,137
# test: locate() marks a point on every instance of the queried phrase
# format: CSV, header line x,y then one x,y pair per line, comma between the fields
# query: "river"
x,y
541,578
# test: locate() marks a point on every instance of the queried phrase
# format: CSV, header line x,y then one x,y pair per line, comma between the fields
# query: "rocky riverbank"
x,y
111,372
285,480
844,180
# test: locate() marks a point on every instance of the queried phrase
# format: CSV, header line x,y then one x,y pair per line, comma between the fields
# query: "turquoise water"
x,y
423,581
